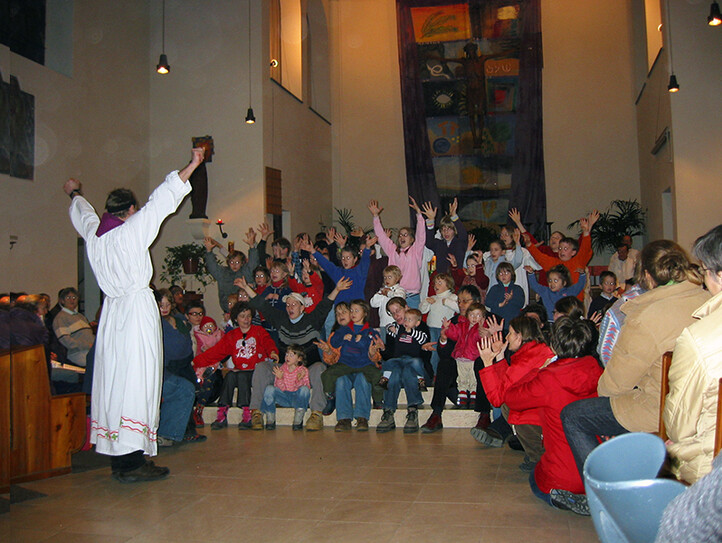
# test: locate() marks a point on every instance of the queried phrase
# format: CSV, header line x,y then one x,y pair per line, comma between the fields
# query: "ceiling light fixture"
x,y
715,17
163,66
250,117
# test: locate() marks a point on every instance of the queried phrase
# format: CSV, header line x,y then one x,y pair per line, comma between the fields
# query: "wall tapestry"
x,y
17,133
471,94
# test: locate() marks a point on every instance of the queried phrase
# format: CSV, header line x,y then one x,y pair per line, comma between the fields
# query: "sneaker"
x,y
488,437
412,421
362,424
164,442
527,466
314,422
432,425
217,425
147,472
484,421
343,425
576,503
515,444
422,385
330,406
198,416
256,420
244,425
384,383
462,400
387,422
194,438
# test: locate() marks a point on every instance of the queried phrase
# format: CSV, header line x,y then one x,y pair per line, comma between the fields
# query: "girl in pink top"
x,y
409,253
291,388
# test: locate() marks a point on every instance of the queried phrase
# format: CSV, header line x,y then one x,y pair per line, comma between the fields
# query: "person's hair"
x,y
708,249
233,254
562,271
393,270
570,306
506,266
510,231
363,304
175,288
471,290
281,266
537,309
320,245
299,352
571,338
283,243
232,299
607,273
415,312
168,295
411,232
473,257
342,305
446,221
65,291
499,242
561,234
446,278
528,328
262,269
620,243
396,300
195,305
119,202
29,302
353,251
665,262
574,244
240,307
475,306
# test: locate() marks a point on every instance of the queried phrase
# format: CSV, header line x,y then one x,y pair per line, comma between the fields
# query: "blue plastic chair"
x,y
625,498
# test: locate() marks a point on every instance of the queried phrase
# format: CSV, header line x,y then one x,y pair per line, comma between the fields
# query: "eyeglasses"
x,y
71,297
195,313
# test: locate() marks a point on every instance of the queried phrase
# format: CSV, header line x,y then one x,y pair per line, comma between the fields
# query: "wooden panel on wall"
x,y
4,422
274,193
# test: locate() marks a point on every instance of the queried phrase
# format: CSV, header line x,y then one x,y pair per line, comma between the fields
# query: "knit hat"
x,y
206,320
300,298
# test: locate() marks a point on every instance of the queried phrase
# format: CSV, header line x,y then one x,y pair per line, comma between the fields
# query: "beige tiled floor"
x,y
297,486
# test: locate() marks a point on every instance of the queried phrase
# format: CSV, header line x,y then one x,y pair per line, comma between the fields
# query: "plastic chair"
x,y
625,498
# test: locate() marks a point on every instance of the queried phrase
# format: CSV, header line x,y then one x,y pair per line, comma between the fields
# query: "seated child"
x,y
391,289
566,378
404,367
466,332
443,305
246,345
291,388
505,299
608,282
559,280
207,334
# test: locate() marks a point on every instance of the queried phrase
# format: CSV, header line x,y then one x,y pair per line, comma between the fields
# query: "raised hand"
x,y
264,230
445,323
277,372
374,208
71,185
343,284
340,240
209,242
371,240
197,155
486,352
251,237
529,269
413,205
330,235
453,206
515,216
357,232
452,260
429,211
305,244
596,318
516,235
493,325
241,282
593,218
471,242
498,344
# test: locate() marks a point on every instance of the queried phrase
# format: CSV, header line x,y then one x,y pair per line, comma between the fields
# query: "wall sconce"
x,y
163,66
715,17
220,224
250,117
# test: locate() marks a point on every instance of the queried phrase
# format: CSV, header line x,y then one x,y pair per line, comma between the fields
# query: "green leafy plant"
x,y
172,271
623,218
345,219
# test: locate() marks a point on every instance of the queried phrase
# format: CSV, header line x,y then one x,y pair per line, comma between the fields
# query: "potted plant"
x,y
624,217
185,259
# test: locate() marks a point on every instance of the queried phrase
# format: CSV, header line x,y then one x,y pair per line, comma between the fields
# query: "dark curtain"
x,y
527,184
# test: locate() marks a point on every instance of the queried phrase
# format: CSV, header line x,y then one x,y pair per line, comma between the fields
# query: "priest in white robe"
x,y
128,369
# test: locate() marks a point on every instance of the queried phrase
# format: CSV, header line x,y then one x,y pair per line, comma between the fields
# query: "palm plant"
x,y
623,218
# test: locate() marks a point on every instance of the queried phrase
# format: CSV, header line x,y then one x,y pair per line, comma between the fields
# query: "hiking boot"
x,y
563,499
343,425
387,422
484,421
330,405
432,425
147,472
221,418
298,419
314,422
256,420
488,437
198,416
217,425
362,424
515,444
412,421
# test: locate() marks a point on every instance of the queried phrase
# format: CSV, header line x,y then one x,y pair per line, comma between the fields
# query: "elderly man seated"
x,y
72,328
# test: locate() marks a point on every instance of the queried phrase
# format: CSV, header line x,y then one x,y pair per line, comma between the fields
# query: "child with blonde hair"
x,y
391,289
291,388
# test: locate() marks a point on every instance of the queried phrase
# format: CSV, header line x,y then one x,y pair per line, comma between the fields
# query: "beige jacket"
x,y
690,413
633,377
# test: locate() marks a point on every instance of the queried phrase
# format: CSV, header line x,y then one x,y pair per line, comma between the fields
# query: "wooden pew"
x,y
44,430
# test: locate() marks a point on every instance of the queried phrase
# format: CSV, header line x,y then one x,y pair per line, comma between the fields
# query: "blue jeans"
x,y
546,498
405,371
583,421
413,300
434,334
298,399
328,324
345,409
175,409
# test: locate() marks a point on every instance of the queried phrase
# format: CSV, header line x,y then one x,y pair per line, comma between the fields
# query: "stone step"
x,y
452,418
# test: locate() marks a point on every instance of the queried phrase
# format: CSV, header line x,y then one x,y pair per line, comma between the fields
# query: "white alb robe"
x,y
129,348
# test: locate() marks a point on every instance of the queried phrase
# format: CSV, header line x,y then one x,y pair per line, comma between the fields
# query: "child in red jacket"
x,y
563,379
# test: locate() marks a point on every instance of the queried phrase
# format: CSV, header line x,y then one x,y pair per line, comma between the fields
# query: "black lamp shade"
x,y
163,66
250,117
673,85
715,17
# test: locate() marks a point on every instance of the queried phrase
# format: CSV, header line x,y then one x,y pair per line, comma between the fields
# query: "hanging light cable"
x,y
715,17
163,66
250,117
673,85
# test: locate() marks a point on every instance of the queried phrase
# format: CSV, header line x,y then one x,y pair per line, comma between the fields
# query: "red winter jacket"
x,y
552,388
497,379
246,350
